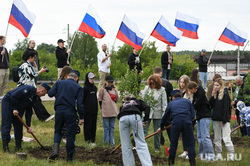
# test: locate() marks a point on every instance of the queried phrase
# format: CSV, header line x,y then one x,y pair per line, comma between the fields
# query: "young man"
x,y
203,63
14,103
166,63
182,114
134,61
4,66
68,94
61,56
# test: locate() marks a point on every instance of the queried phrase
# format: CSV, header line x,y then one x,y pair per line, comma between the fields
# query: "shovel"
x,y
234,116
42,147
145,137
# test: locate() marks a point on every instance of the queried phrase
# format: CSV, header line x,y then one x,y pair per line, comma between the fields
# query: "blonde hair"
x,y
186,81
221,92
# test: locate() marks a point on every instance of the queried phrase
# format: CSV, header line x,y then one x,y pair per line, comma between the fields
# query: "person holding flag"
x,y
134,61
203,63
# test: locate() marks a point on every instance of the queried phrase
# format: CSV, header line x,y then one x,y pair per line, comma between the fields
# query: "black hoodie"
x,y
61,56
90,97
201,105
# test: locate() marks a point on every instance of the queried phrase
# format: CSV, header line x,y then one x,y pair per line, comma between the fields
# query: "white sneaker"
x,y
218,156
49,118
92,144
187,157
64,140
231,157
184,154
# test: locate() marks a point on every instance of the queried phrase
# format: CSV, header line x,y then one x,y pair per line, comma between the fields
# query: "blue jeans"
x,y
126,122
203,137
203,78
166,73
109,130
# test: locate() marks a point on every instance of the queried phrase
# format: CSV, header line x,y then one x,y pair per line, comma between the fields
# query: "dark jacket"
x,y
61,56
201,105
37,57
134,106
181,109
67,93
221,108
168,88
132,64
89,97
164,60
6,60
241,94
202,61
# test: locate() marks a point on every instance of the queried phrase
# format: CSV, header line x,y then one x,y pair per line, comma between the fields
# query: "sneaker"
x,y
157,151
187,157
218,156
64,140
231,157
92,144
184,154
49,118
1,97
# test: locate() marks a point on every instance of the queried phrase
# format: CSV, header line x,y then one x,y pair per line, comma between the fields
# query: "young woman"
x,y
203,117
183,82
108,96
195,77
221,104
64,73
155,85
210,87
130,117
90,108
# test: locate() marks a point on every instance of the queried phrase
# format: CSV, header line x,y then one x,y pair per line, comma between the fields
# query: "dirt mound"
x,y
99,155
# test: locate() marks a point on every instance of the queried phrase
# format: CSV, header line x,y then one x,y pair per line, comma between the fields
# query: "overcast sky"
x,y
52,17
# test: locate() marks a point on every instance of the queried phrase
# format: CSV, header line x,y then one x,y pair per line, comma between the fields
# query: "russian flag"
x,y
130,34
187,24
166,32
91,24
232,35
21,17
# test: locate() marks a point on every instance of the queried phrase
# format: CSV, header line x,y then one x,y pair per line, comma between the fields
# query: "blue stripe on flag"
x,y
130,34
166,34
90,21
231,35
185,25
18,15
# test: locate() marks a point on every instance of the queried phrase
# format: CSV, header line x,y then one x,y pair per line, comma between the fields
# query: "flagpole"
x,y
143,47
113,46
71,44
5,38
213,51
238,62
245,45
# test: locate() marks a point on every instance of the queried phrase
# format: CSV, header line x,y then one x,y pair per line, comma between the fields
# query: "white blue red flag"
x,y
21,17
166,32
232,35
91,24
130,34
187,24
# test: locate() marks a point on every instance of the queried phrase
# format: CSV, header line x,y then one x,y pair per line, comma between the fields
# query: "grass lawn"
x,y
44,132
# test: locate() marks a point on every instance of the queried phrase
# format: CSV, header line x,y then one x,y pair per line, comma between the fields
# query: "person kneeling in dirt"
x,y
14,103
182,114
67,93
130,116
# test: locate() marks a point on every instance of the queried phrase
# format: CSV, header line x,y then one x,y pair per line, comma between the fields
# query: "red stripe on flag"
x,y
87,29
161,38
126,40
189,34
16,24
229,41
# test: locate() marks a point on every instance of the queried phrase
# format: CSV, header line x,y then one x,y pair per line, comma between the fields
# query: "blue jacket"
x,y
180,108
67,93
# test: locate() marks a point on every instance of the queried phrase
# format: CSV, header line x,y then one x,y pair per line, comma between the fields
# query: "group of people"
x,y
183,108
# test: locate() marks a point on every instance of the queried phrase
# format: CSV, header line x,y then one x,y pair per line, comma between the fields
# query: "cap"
x,y
91,75
76,72
46,86
240,105
203,50
60,41
109,78
175,91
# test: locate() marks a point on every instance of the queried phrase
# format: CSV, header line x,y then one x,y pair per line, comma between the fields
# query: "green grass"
x,y
44,132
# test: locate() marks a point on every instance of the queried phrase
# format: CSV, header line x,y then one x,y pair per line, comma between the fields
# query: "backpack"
x,y
15,74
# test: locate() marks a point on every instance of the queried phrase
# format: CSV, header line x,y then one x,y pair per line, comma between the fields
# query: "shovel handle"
x,y
235,129
28,129
157,132
118,146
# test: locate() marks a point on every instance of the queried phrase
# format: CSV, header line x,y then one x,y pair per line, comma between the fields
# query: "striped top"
x,y
27,74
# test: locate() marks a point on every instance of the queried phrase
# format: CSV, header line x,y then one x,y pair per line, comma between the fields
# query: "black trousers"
x,y
90,127
41,112
243,129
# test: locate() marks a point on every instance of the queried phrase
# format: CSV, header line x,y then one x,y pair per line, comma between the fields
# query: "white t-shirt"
x,y
103,66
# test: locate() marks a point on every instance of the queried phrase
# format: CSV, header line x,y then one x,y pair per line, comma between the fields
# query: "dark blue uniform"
x,y
67,93
21,99
182,114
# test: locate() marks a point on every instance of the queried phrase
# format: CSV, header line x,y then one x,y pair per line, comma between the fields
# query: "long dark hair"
x,y
194,76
